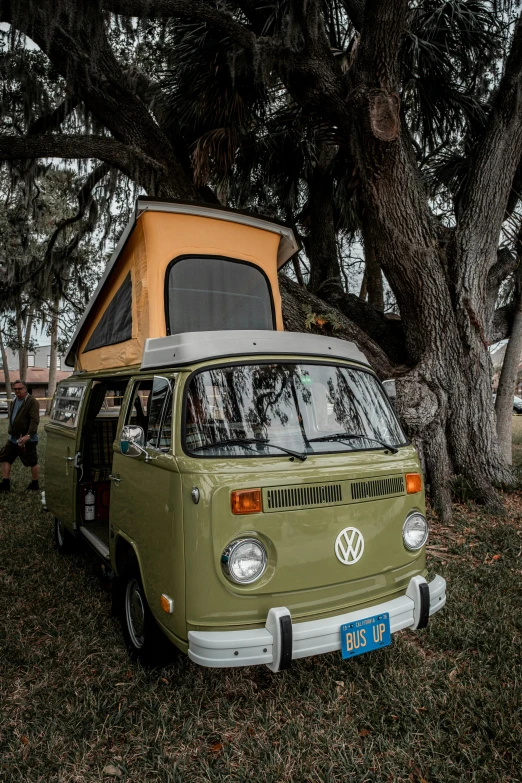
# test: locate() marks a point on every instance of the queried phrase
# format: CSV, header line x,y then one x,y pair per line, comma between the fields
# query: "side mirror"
x,y
132,440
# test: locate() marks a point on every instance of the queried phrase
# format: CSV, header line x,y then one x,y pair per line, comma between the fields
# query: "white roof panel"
x,y
193,347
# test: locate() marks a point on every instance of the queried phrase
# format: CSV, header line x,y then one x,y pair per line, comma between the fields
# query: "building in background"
x,y
38,363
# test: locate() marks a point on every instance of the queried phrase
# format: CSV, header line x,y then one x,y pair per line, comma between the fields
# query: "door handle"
x,y
116,478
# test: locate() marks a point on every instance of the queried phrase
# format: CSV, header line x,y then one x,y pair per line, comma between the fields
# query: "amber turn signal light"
x,y
246,501
413,483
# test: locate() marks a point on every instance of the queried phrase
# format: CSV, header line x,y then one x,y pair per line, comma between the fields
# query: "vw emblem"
x,y
349,545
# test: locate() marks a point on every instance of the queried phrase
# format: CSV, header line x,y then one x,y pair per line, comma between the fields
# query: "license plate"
x,y
365,635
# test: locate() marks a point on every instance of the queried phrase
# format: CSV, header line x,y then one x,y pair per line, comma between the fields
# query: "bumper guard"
x,y
282,641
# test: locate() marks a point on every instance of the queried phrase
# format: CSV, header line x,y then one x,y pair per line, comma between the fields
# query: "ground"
x,y
438,706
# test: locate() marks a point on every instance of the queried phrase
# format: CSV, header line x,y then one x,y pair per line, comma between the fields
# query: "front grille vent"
x,y
306,496
377,488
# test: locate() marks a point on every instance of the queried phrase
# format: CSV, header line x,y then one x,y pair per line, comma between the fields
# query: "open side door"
x,y
62,450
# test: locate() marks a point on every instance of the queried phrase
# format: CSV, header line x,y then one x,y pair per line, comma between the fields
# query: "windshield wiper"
x,y
248,442
347,435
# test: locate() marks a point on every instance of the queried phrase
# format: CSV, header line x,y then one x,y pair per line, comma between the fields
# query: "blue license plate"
x,y
365,635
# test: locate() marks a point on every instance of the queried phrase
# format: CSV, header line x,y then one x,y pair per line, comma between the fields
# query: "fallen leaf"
x,y
113,771
340,683
496,557
251,731
364,733
164,679
25,740
217,747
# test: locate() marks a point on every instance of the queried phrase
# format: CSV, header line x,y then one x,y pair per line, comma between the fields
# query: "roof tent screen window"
x,y
115,325
209,294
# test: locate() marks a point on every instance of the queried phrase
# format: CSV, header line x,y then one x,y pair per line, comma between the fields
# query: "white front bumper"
x,y
260,645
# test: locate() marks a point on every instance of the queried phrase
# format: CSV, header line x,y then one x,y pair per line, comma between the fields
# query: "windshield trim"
x,y
328,363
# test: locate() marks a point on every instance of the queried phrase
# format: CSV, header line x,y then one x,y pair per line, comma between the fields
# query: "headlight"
x,y
415,531
244,560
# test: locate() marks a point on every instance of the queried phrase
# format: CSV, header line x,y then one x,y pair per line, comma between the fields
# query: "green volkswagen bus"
x,y
251,494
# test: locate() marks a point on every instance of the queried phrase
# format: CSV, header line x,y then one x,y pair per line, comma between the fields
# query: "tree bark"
x,y
5,366
373,276
322,244
54,355
24,327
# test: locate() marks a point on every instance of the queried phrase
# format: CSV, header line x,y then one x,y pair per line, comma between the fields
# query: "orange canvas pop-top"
x,y
182,268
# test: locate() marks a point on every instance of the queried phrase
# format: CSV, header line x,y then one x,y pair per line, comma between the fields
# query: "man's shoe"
x,y
5,486
33,485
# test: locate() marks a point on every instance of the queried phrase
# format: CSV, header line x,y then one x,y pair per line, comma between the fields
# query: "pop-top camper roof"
x,y
182,267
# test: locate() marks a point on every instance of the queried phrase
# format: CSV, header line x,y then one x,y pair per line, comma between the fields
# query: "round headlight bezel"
x,y
408,546
232,548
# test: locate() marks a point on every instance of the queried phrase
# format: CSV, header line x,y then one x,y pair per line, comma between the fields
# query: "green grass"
x,y
441,705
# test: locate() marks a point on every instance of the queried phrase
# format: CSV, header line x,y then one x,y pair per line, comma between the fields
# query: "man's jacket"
x,y
27,419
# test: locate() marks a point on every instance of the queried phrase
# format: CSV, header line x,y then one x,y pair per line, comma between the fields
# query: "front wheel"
x,y
63,540
143,638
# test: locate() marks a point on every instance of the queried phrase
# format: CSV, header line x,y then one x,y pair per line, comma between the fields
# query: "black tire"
x,y
143,638
63,540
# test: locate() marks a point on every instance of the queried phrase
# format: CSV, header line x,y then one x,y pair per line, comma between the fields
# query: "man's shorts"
x,y
28,454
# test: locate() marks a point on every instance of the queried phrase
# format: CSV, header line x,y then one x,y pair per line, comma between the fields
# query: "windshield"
x,y
287,405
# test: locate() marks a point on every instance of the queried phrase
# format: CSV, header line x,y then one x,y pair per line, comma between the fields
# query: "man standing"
x,y
24,417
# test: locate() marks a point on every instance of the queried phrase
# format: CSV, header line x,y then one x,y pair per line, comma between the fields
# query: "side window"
x,y
66,404
137,410
159,428
151,409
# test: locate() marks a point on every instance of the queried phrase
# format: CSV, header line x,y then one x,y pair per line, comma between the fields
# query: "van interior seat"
x,y
103,437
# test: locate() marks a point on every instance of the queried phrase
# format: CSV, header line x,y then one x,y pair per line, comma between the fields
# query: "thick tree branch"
x,y
312,76
53,120
296,300
111,151
500,327
190,9
484,201
75,41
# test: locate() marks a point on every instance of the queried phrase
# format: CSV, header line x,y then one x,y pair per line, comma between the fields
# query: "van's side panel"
x,y
146,506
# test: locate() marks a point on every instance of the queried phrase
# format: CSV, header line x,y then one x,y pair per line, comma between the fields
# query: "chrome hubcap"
x,y
135,613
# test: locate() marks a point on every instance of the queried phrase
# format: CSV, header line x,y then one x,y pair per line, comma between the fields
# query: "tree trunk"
x,y
24,327
54,352
445,400
373,276
297,270
5,365
322,240
507,382
22,356
363,293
